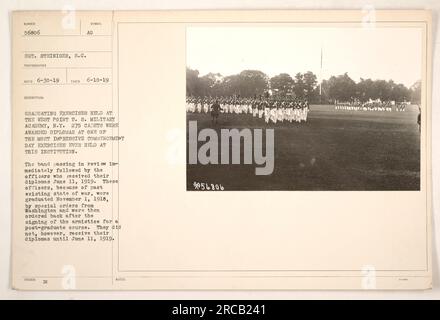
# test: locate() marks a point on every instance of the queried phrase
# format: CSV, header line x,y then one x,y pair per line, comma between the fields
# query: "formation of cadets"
x,y
271,109
357,105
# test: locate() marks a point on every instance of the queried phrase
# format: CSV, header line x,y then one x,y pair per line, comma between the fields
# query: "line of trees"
x,y
250,83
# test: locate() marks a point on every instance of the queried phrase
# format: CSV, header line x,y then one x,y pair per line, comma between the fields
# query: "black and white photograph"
x,y
297,107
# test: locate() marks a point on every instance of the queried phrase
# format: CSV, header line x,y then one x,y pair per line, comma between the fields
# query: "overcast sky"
x,y
377,53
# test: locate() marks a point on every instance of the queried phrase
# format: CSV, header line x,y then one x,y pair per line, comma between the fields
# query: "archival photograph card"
x,y
290,108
